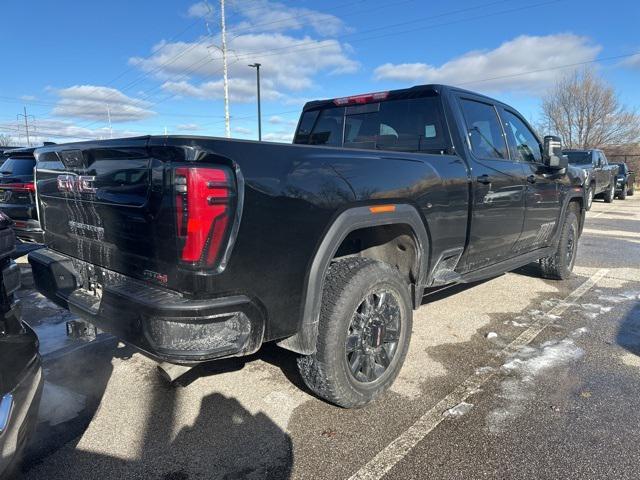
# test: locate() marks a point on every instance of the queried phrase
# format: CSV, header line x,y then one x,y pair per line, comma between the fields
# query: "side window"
x,y
484,130
597,160
328,128
522,141
604,159
305,127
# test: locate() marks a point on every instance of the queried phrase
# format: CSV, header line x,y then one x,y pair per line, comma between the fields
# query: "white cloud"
x,y
242,130
504,67
62,131
28,98
188,127
240,90
200,10
632,62
91,102
278,120
265,15
288,65
279,136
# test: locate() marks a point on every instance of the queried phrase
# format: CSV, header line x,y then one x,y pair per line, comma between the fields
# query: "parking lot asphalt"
x,y
515,377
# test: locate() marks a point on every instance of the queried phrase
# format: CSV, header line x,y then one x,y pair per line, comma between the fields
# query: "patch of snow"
x,y
484,370
459,410
521,371
579,332
516,324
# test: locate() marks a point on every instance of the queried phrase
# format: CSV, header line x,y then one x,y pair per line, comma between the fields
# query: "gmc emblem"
x,y
76,183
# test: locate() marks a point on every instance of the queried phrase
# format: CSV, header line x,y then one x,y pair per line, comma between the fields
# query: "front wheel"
x,y
590,195
560,265
623,193
610,194
363,334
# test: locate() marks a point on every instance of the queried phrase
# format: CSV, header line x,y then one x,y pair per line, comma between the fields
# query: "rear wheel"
x,y
560,265
610,194
630,190
363,334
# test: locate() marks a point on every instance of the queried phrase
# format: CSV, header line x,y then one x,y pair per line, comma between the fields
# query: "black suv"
x,y
625,180
18,196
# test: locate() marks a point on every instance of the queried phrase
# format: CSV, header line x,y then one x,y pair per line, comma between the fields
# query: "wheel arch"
x,y
347,222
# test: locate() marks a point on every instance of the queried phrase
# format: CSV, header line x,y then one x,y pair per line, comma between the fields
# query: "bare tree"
x,y
585,111
5,140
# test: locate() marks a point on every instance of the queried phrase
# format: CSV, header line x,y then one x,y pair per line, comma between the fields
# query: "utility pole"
x,y
26,124
109,117
257,67
227,123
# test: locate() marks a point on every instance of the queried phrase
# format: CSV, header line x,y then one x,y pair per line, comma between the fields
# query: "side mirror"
x,y
552,154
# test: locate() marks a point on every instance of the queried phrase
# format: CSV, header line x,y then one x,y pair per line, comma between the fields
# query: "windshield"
x,y
579,158
18,166
408,125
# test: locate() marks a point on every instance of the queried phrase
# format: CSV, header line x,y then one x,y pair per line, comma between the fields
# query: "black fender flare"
x,y
573,194
304,340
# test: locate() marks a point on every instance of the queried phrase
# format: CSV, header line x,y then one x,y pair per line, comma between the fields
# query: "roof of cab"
x,y
417,90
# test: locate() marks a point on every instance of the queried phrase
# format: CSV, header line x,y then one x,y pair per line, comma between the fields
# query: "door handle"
x,y
531,179
484,179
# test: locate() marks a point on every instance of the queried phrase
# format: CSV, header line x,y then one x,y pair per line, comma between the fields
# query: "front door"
x,y
542,195
498,188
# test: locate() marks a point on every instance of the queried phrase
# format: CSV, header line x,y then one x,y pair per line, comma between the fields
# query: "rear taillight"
x,y
204,202
20,187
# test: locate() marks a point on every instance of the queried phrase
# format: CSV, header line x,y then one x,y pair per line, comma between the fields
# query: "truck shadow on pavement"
x,y
224,440
628,336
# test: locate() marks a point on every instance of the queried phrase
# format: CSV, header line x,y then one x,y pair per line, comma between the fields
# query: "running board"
x,y
506,265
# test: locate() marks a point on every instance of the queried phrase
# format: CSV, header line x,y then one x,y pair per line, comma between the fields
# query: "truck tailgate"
x,y
103,203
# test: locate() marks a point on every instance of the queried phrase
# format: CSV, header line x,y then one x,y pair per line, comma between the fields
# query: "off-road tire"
x,y
631,190
559,265
590,195
610,194
327,372
623,194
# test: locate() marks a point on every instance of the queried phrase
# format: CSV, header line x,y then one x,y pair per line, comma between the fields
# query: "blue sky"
x,y
156,65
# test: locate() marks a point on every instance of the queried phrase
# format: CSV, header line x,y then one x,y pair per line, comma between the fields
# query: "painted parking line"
x,y
597,215
398,449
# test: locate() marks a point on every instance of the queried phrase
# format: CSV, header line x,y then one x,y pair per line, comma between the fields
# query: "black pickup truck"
x,y
195,248
599,174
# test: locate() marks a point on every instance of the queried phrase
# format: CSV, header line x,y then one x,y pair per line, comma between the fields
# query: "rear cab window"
x,y
18,166
403,124
579,158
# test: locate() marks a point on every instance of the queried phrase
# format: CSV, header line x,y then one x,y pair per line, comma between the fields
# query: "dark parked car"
x,y
20,370
600,175
195,248
18,196
625,181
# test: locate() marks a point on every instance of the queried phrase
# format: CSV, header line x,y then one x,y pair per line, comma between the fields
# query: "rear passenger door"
x,y
542,195
498,186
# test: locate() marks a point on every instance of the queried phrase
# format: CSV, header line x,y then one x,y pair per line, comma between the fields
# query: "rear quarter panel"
x,y
292,195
